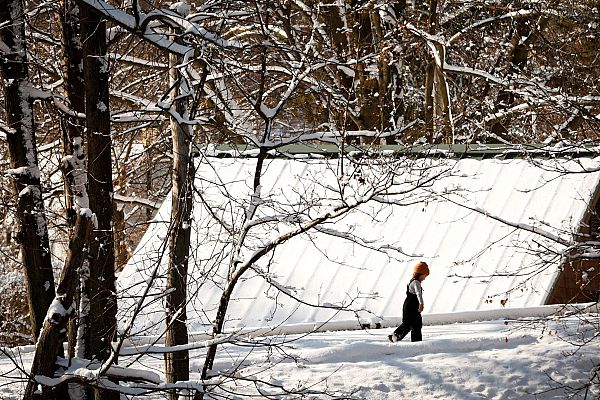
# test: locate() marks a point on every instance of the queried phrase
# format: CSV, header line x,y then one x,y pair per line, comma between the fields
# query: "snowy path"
x,y
480,360
486,360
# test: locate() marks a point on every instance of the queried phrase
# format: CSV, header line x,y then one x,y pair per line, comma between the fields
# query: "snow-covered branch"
x,y
155,349
136,201
525,13
559,100
156,37
132,381
58,100
137,61
517,225
488,76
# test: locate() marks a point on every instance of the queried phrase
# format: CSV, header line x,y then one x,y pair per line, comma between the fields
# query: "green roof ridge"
x,y
328,150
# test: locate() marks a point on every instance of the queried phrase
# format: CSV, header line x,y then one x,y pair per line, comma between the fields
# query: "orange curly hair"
x,y
421,268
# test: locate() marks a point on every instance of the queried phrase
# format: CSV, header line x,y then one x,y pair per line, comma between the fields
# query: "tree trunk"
x,y
431,79
177,363
100,325
429,113
442,116
72,60
518,55
73,166
438,120
234,276
33,231
52,335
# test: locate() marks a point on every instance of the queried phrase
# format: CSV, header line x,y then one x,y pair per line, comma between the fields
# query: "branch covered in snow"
x,y
159,38
136,201
561,101
146,26
526,227
155,349
488,21
132,381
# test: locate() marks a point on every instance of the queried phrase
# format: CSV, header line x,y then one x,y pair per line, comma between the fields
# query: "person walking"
x,y
413,306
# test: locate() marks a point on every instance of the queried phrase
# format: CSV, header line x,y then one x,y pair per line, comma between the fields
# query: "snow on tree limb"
x,y
145,25
137,61
134,381
526,227
559,100
136,201
4,130
511,16
26,172
121,18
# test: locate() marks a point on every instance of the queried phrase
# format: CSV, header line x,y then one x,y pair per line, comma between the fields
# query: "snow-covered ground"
x,y
478,360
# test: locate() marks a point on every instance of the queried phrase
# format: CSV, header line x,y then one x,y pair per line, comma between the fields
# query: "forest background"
x,y
104,105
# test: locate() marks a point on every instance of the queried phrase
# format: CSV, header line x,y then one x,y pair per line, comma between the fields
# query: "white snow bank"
x,y
370,350
465,361
196,338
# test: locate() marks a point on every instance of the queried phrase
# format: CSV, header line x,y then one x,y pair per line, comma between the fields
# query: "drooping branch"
x,y
516,225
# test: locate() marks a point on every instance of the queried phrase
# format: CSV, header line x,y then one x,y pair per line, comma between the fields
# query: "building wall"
x,y
579,281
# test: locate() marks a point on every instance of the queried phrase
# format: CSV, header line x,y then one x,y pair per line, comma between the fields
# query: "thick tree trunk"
x,y
383,69
33,231
100,288
441,95
52,335
75,181
438,123
177,363
73,165
429,104
519,52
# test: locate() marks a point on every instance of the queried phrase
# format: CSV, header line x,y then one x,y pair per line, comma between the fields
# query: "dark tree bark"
x,y
73,166
517,57
100,288
52,335
33,231
177,363
75,91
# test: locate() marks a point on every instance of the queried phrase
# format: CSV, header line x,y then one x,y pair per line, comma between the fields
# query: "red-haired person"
x,y
413,306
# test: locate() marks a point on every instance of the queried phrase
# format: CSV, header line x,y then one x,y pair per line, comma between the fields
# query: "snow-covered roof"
x,y
471,219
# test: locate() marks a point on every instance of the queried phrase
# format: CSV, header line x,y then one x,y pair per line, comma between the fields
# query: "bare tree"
x,y
20,134
270,73
177,363
100,319
73,126
61,310
520,92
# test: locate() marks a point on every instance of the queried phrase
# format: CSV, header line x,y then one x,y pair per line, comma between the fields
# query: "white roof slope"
x,y
476,262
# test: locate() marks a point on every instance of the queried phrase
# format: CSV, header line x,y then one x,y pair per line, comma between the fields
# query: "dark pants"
x,y
411,320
